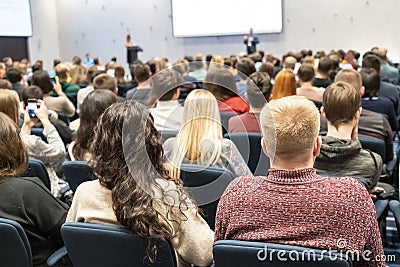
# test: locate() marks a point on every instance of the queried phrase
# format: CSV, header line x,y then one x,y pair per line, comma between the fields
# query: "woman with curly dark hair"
x,y
135,190
93,106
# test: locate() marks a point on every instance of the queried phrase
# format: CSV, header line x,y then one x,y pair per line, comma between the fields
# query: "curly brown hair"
x,y
124,135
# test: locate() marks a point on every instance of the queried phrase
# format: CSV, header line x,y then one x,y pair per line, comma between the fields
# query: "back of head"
x,y
371,82
5,84
181,66
201,133
141,72
42,79
340,102
372,61
306,73
119,73
14,75
104,81
284,85
290,127
93,106
290,62
31,92
9,103
268,68
165,85
246,67
13,156
76,60
324,65
258,89
350,76
221,83
61,71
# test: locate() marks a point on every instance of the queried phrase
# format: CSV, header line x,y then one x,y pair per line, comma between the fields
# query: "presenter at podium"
x,y
251,41
131,50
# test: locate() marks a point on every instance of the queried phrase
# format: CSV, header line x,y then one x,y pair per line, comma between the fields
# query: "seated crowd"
x,y
309,112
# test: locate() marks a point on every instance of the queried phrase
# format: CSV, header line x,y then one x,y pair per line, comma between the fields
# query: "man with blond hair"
x,y
293,205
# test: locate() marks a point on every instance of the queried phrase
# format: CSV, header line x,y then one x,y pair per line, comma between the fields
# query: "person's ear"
x,y
362,91
317,146
358,114
323,112
264,146
116,91
270,97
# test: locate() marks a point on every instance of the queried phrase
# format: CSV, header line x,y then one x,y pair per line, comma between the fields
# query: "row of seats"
x,y
109,245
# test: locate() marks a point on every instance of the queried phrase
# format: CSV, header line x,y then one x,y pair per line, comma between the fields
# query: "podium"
x,y
132,53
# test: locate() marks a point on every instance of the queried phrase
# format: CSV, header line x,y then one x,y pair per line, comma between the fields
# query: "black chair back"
x,y
244,253
39,132
14,245
165,134
249,146
76,172
206,185
225,116
110,245
375,145
36,168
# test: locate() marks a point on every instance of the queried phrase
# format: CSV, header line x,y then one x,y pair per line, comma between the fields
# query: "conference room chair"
x,y
39,132
225,116
76,172
15,249
36,168
165,134
249,146
206,185
238,253
378,146
111,245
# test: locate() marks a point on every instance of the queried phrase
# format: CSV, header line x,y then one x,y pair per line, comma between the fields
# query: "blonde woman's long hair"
x,y
200,137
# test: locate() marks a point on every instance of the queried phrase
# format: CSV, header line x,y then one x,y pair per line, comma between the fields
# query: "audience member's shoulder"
x,y
88,186
240,185
347,184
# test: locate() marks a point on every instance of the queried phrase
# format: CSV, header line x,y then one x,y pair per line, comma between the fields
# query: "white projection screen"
x,y
16,18
191,18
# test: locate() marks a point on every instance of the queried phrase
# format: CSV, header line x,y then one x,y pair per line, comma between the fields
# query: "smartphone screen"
x,y
32,104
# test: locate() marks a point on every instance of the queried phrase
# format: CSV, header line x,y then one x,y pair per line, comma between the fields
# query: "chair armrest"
x,y
391,165
64,190
57,256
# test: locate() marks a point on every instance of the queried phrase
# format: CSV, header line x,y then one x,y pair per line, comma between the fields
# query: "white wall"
x,y
100,27
44,43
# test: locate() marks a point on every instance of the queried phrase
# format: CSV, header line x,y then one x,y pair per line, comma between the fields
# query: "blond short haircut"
x,y
290,126
62,71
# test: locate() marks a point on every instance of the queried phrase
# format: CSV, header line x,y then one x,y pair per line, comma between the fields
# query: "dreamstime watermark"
x,y
315,255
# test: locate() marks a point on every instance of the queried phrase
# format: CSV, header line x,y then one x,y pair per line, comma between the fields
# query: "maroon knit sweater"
x,y
300,208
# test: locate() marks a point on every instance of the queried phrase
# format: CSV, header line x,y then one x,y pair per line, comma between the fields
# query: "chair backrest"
x,y
249,146
14,245
39,132
76,172
165,134
206,185
225,116
244,253
375,145
110,245
36,168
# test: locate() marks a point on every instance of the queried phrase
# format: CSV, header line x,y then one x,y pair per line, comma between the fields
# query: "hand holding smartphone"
x,y
32,105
